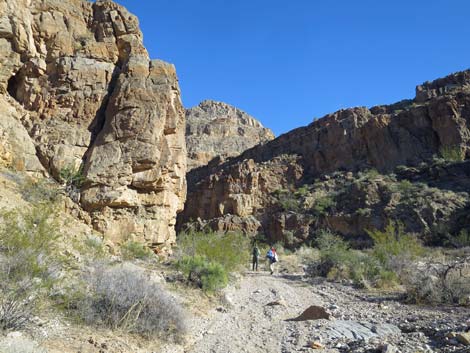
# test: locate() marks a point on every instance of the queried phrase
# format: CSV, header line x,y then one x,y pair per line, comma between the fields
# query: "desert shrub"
x,y
323,204
232,250
451,153
394,242
334,253
364,212
338,261
72,176
301,191
29,237
135,250
91,247
289,202
437,283
94,247
28,262
124,297
404,187
460,240
209,276
371,173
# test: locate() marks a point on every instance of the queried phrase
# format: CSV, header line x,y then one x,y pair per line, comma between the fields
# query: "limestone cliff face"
x,y
383,137
88,94
216,129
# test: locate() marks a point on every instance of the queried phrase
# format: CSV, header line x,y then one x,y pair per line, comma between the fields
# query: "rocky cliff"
x,y
79,88
215,129
244,193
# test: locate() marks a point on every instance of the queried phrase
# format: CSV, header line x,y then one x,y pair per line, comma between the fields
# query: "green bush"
x,y
323,204
209,276
301,191
29,262
92,247
135,250
451,153
364,212
404,187
460,240
72,176
338,261
394,242
29,237
371,173
232,250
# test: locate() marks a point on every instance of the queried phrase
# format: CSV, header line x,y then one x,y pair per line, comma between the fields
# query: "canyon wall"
x,y
77,82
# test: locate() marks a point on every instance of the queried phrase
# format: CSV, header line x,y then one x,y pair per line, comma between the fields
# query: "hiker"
x,y
272,258
255,257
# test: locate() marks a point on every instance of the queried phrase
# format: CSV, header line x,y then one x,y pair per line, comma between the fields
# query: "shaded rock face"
x,y
215,129
383,137
88,94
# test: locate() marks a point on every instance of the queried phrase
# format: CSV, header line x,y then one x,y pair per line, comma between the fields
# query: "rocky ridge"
x,y
77,88
348,141
216,129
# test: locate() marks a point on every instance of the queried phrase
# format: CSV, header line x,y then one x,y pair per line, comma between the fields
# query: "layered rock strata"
x,y
88,95
382,137
216,129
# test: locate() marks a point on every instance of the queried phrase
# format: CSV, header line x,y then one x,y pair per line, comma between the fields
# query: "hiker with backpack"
x,y
272,258
255,256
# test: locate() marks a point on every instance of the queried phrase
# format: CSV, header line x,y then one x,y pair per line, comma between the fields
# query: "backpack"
x,y
275,258
256,252
270,255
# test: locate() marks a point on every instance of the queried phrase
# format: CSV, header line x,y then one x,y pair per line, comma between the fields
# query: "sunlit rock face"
x,y
239,193
216,129
79,80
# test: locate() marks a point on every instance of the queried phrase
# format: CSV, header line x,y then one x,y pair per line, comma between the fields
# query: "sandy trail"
x,y
248,323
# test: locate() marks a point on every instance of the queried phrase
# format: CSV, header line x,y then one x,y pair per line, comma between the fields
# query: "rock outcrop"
x,y
215,129
383,137
88,95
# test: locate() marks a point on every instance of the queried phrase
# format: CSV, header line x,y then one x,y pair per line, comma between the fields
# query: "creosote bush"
x,y
206,258
209,276
29,262
339,261
125,297
379,267
394,242
229,250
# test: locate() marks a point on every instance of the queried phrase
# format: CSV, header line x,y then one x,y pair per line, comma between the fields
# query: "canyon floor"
x,y
254,315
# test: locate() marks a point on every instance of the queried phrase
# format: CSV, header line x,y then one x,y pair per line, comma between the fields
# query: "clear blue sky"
x,y
287,62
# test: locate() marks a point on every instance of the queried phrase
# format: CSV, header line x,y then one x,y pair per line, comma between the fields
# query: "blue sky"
x,y
288,62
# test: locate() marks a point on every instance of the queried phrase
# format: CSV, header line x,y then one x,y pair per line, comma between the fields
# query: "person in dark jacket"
x,y
255,254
